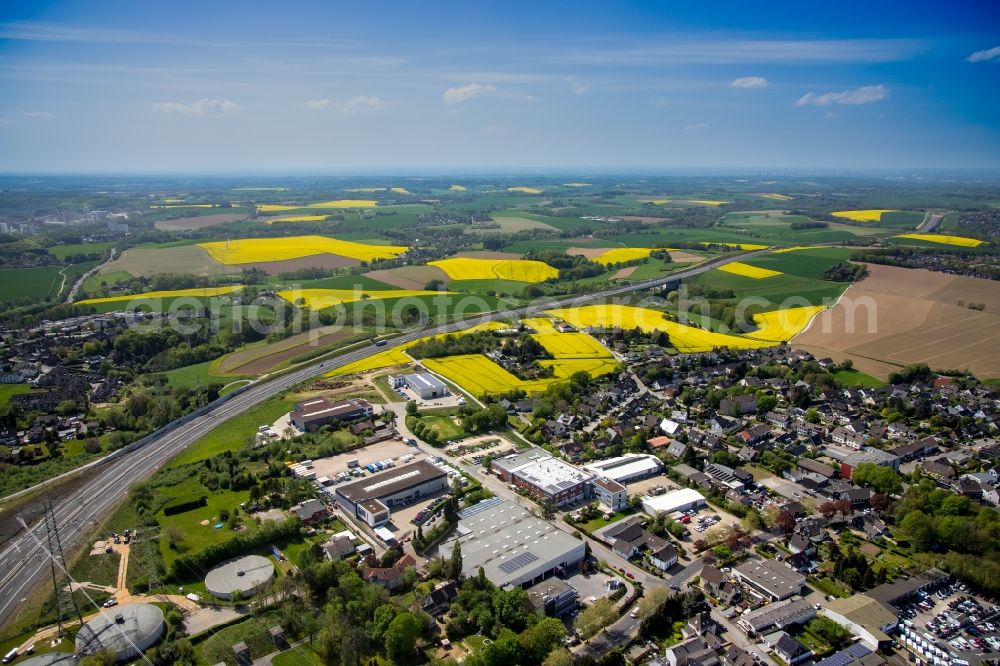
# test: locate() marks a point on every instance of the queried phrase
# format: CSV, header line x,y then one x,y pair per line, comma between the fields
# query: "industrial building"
x,y
424,384
553,596
627,468
371,499
507,466
309,415
244,576
554,480
611,494
125,632
776,580
777,616
678,500
866,618
513,547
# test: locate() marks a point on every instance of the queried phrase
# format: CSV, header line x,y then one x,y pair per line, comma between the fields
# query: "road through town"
x,y
23,563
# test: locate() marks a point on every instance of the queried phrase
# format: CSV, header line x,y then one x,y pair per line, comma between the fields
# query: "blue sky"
x,y
315,87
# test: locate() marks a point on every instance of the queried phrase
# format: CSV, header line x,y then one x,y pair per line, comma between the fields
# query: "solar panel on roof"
x,y
518,562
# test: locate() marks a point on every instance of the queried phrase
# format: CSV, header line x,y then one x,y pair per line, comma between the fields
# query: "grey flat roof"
x,y
506,540
776,577
517,460
422,380
390,483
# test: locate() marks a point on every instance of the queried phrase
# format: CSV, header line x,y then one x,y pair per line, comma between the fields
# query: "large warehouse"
x,y
125,632
678,500
424,384
626,468
244,575
512,546
544,477
398,486
311,414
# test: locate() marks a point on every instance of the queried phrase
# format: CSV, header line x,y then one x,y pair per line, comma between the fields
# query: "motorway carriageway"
x,y
24,564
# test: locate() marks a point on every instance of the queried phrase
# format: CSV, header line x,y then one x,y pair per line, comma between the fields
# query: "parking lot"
x,y
389,449
945,623
642,486
593,585
474,449
400,517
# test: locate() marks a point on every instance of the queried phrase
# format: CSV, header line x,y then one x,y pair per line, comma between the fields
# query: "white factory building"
x,y
424,384
511,545
626,468
678,500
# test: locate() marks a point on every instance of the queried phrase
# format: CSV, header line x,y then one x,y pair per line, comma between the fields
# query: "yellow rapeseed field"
x,y
742,246
520,270
457,188
746,270
338,203
707,202
203,291
299,218
572,345
621,254
250,250
479,375
872,215
318,299
540,325
386,359
595,367
400,190
525,190
797,248
577,184
684,338
783,325
960,241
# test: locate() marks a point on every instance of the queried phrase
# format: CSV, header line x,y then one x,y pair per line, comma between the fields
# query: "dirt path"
x,y
79,280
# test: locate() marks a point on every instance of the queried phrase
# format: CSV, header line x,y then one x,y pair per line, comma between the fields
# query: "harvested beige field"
x,y
143,262
487,254
409,277
198,222
623,273
323,260
588,252
510,225
259,360
898,316
681,257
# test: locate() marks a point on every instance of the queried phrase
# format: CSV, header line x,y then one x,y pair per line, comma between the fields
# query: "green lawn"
x,y
199,374
444,426
100,569
62,251
195,536
93,283
297,656
235,433
8,391
253,631
859,379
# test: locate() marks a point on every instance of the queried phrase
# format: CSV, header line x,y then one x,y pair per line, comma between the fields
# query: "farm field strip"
x,y
797,248
572,345
622,254
298,218
319,299
337,203
279,249
748,271
520,270
525,190
741,246
783,325
202,291
871,215
943,239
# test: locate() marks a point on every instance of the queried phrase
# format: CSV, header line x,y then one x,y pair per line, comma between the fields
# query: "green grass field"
x,y
62,251
40,282
443,425
194,535
347,282
234,433
858,379
8,391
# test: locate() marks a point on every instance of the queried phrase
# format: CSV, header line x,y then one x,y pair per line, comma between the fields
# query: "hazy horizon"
x,y
208,89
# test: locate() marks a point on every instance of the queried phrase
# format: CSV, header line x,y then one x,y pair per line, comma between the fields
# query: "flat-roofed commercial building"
x,y
396,487
311,414
610,493
626,468
678,500
775,579
507,466
512,546
553,596
866,618
424,384
553,480
777,616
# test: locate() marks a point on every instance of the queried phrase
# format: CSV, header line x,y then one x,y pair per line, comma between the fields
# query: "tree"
x,y
401,635
752,521
652,600
785,522
827,509
882,479
540,639
548,509
880,502
919,528
599,615
411,408
560,657
455,563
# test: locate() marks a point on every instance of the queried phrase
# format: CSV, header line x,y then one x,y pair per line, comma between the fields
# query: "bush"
x,y
197,563
174,507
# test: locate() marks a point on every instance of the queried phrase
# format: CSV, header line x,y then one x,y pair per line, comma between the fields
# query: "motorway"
x,y
22,561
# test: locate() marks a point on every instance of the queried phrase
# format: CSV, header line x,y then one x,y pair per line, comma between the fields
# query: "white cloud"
x,y
362,103
317,104
467,92
203,107
749,82
863,95
38,114
579,88
986,55
695,126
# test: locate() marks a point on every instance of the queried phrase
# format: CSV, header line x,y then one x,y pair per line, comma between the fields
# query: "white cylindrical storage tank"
x,y
123,631
246,575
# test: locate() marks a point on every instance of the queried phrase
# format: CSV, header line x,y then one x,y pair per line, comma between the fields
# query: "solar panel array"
x,y
518,562
479,507
845,657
